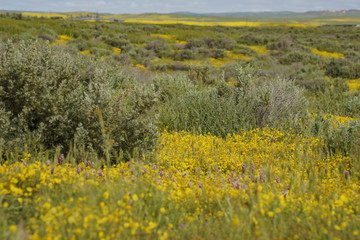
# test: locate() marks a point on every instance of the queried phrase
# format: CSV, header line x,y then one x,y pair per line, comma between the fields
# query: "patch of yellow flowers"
x,y
257,185
354,84
63,39
327,54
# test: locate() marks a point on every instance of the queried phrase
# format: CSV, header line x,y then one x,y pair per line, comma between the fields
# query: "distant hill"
x,y
310,18
280,14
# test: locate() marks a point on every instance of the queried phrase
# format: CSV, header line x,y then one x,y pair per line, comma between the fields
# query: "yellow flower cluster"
x,y
116,50
85,52
168,37
253,185
354,84
62,40
327,54
339,120
260,49
237,56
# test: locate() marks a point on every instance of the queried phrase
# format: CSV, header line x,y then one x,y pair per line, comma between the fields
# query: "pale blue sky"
x,y
166,6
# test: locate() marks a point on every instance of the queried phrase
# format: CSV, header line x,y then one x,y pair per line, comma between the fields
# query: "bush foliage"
x,y
50,95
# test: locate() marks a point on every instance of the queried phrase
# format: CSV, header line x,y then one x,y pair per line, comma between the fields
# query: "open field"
x,y
139,130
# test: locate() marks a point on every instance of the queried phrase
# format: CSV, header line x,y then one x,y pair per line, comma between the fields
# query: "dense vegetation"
x,y
254,131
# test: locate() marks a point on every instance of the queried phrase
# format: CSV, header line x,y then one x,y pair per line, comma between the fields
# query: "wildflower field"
x,y
120,130
261,184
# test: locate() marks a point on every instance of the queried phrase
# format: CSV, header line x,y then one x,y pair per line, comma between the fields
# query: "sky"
x,y
167,6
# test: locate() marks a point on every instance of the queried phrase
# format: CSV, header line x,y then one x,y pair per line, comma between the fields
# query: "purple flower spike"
x,y
161,174
52,170
173,179
184,174
78,169
24,163
199,169
262,177
236,184
94,172
285,193
278,180
243,167
87,175
347,175
62,159
272,139
200,185
182,225
100,173
88,163
154,167
189,184
122,171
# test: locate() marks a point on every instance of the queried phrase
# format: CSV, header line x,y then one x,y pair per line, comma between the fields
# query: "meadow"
x,y
138,130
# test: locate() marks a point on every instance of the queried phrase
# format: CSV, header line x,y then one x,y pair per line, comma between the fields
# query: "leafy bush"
x,y
343,68
224,109
50,95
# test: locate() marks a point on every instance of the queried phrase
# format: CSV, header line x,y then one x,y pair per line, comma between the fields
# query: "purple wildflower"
x,y
62,159
161,174
86,174
184,174
52,170
100,173
286,192
278,180
272,139
182,225
200,185
262,176
154,167
78,169
243,168
252,168
122,171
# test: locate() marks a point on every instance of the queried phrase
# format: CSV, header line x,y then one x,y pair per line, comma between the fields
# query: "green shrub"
x,y
223,109
344,68
50,95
